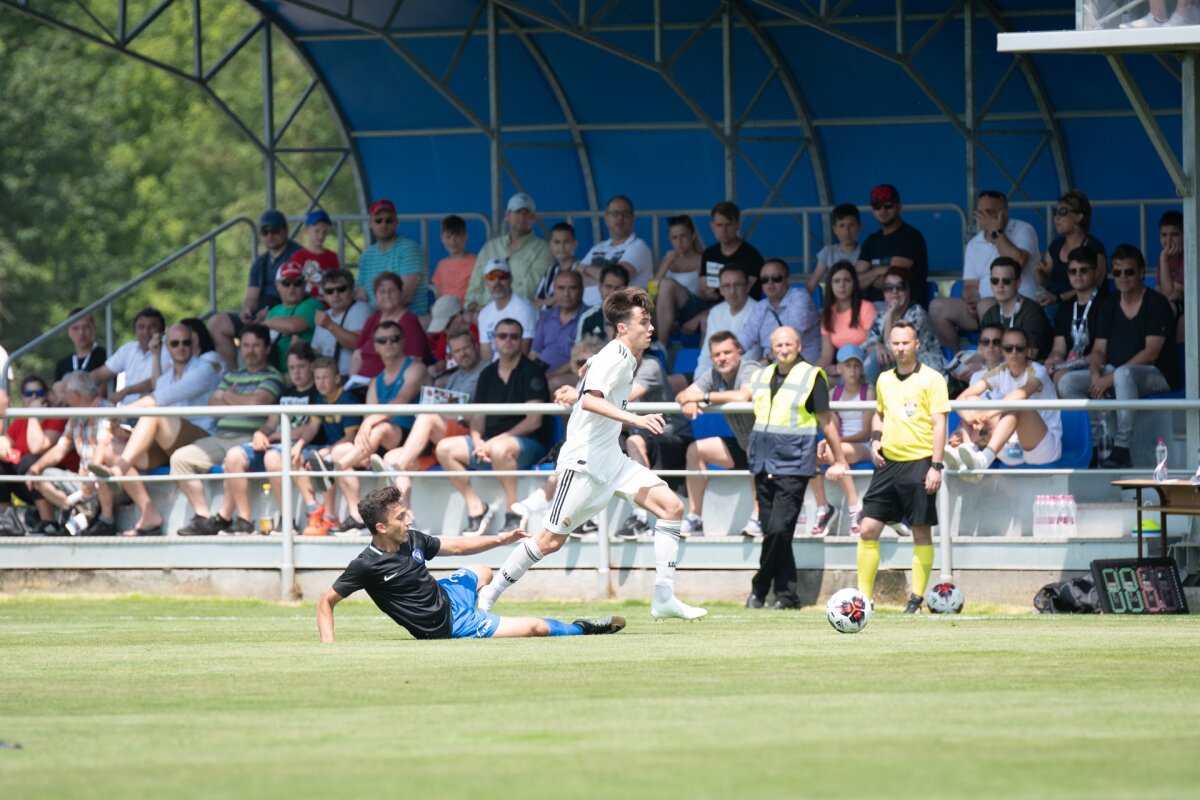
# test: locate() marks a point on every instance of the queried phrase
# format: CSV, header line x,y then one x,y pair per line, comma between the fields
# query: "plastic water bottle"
x,y
266,523
1039,516
1104,446
1072,526
1054,516
1161,474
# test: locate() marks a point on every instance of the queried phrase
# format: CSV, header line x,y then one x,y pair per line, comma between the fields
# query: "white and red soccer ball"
x,y
849,610
944,598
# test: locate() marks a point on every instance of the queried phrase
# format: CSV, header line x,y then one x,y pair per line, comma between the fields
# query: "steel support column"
x,y
1191,254
493,72
268,101
727,101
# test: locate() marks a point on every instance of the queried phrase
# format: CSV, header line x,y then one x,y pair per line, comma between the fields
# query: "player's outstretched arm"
x,y
470,545
594,402
325,615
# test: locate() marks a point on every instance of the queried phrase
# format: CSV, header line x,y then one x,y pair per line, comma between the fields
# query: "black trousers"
x,y
780,499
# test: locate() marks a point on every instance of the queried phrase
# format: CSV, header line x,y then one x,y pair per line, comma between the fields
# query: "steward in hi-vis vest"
x,y
790,397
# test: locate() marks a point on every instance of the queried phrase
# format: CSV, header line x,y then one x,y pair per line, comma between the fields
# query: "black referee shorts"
x,y
897,493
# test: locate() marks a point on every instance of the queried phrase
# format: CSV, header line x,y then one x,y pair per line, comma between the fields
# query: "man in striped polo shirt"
x,y
257,384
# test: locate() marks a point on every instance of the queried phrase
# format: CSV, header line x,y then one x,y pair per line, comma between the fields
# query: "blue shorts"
x,y
258,459
531,451
467,621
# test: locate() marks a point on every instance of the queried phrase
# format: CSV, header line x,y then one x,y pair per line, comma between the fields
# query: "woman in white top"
x,y
679,290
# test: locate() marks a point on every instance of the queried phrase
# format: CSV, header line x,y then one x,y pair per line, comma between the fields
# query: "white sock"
x,y
989,456
523,556
666,552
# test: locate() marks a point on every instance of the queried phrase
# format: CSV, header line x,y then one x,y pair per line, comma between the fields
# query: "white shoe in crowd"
x,y
1189,16
525,508
1148,21
753,528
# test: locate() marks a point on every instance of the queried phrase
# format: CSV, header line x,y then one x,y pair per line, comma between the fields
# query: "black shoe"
x,y
199,526
600,625
348,527
316,464
754,602
914,604
50,529
235,527
100,527
1117,459
785,603
1095,462
477,525
511,521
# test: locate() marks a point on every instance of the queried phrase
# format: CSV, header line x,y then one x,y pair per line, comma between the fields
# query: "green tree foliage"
x,y
108,165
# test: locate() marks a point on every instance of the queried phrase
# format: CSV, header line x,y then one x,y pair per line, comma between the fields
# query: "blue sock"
x,y
558,628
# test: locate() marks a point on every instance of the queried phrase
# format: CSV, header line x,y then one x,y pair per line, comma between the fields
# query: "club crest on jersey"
x,y
910,407
418,556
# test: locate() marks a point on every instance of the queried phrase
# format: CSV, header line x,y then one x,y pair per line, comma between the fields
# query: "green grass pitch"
x,y
201,698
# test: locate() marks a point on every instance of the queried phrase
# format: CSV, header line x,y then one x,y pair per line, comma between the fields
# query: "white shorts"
x,y
579,496
1048,450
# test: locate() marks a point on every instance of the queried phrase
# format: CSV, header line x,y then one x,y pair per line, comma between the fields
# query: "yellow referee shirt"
x,y
908,404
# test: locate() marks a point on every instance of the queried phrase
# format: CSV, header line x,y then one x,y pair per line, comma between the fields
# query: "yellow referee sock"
x,y
868,565
922,565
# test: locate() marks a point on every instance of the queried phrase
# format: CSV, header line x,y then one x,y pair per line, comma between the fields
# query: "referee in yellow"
x,y
908,435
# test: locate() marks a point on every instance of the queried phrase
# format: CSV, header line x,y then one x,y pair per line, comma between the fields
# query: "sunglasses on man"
x,y
1005,281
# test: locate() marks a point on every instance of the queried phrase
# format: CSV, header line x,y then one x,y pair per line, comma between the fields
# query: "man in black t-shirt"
x,y
1075,320
87,355
392,570
1133,354
500,441
730,248
895,244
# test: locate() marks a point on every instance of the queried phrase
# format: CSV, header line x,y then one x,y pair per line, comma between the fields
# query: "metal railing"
x,y
287,560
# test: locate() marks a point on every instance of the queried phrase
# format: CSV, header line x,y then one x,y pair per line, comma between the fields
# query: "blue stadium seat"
x,y
819,298
685,339
686,360
1151,281
708,425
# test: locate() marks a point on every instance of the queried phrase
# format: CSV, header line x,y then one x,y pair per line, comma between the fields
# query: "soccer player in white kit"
x,y
592,467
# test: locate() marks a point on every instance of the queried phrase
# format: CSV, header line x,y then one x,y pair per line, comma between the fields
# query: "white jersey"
x,y
591,445
1001,382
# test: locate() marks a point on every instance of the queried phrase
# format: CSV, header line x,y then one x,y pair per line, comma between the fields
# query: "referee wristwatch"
x,y
938,465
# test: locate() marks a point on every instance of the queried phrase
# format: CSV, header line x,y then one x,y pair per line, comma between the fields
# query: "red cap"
x,y
289,271
382,205
885,193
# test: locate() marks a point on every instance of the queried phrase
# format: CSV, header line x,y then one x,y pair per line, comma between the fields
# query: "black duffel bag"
x,y
18,520
1076,596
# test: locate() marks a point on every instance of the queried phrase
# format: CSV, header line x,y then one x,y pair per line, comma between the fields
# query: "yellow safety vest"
x,y
784,438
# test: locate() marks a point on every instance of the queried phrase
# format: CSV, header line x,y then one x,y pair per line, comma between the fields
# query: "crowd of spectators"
x,y
515,322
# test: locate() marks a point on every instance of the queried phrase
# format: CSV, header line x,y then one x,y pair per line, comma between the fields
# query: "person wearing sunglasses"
x,y
139,362
367,361
899,307
399,255
1075,320
24,440
895,244
999,235
1030,436
261,292
505,304
782,305
986,355
1072,224
294,318
338,325
1014,311
527,255
189,381
500,441
1133,354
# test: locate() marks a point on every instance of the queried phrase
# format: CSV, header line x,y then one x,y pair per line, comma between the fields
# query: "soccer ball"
x,y
849,610
945,598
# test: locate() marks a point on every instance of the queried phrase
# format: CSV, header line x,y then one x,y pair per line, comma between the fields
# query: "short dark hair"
x,y
453,223
725,336
258,331
727,209
33,377
786,269
1005,261
904,323
620,304
375,506
1015,329
390,277
511,321
843,210
1084,255
564,226
76,310
995,194
1171,219
992,325
732,268
325,362
570,273
338,274
615,269
150,312
1127,252
302,350
390,323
